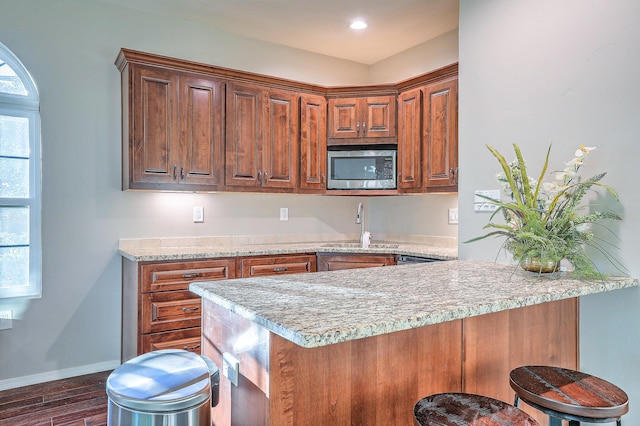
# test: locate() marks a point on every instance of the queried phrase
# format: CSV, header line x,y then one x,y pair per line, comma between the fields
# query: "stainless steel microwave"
x,y
361,169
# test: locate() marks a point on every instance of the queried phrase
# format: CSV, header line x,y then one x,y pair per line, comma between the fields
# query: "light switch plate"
x,y
482,204
6,321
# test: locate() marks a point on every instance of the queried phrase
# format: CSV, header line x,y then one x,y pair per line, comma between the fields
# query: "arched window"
x,y
20,186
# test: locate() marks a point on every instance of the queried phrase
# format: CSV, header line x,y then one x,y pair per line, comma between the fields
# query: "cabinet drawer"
x,y
170,310
178,275
188,339
336,262
277,265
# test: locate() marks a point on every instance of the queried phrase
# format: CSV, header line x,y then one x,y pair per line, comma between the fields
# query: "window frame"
x,y
27,106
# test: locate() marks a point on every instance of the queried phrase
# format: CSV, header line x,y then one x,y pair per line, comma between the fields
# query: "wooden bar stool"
x,y
455,409
568,394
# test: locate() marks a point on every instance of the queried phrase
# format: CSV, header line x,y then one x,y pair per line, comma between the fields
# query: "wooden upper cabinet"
x,y
441,135
410,145
313,143
363,119
173,136
262,137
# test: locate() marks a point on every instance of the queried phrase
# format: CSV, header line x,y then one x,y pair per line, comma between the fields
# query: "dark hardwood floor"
x,y
77,401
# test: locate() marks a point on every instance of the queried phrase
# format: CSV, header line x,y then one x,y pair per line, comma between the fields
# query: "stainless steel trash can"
x,y
169,387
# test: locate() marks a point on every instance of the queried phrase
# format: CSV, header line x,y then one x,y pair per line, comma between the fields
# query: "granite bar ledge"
x,y
325,308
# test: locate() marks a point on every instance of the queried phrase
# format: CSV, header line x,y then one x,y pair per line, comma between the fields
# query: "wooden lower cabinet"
x,y
338,261
158,310
377,380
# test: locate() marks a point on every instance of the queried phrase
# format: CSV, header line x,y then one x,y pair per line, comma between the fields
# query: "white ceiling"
x,y
319,26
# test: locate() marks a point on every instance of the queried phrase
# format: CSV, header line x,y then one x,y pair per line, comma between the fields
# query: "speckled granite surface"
x,y
214,251
324,308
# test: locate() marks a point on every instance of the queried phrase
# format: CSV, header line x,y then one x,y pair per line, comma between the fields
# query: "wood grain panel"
x,y
494,344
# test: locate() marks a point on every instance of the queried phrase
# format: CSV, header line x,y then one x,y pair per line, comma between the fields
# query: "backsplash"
x,y
241,240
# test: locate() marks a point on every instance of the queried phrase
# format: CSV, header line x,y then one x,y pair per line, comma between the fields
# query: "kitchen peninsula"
x,y
362,346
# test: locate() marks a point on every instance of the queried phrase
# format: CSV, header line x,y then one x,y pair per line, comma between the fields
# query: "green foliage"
x,y
545,220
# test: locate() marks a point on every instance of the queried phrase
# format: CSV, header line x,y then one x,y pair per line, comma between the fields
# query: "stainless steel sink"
x,y
357,245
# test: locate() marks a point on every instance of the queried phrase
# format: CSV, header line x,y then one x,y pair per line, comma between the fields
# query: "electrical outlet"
x,y
481,204
198,214
230,368
284,213
453,216
6,321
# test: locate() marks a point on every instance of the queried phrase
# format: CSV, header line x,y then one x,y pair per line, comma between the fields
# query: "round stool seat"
x,y
569,394
455,409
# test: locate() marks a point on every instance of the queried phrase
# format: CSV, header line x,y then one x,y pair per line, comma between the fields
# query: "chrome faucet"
x,y
365,237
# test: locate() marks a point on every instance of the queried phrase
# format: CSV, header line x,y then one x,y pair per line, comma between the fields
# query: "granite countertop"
x,y
324,308
217,251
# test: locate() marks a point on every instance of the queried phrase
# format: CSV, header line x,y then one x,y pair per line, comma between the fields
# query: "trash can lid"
x,y
161,381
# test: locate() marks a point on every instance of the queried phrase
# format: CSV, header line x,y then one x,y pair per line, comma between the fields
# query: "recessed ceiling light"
x,y
358,24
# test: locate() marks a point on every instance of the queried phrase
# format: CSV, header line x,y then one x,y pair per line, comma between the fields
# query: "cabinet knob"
x,y
452,175
364,128
358,128
182,174
195,308
283,269
175,172
457,174
260,177
324,179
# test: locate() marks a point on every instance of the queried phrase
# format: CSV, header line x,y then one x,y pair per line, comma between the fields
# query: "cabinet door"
x,y
244,135
153,116
280,145
344,121
201,140
378,117
277,265
336,262
410,140
313,143
441,135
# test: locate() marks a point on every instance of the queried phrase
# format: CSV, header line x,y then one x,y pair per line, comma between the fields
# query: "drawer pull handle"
x,y
192,275
283,269
191,348
190,309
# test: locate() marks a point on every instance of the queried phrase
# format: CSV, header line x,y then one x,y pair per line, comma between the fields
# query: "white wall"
x,y
566,73
437,53
69,47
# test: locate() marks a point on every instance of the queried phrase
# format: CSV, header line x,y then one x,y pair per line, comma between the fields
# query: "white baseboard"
x,y
58,374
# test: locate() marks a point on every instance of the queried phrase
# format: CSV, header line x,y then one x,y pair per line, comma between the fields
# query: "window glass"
x,y
20,210
9,81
